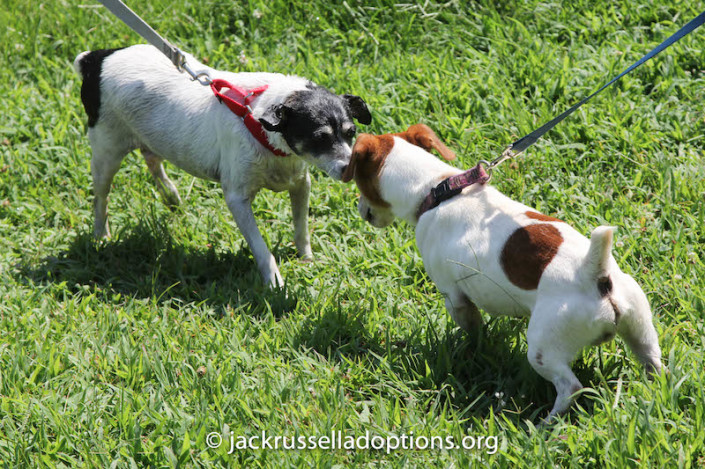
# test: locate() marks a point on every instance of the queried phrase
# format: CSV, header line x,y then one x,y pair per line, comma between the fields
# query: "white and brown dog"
x,y
484,250
136,98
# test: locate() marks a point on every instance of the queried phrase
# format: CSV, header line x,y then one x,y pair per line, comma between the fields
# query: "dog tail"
x,y
77,62
597,261
89,65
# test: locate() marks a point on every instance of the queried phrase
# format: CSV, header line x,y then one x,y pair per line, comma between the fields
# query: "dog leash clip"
x,y
507,154
202,76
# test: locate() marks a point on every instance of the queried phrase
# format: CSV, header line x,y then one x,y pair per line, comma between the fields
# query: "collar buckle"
x,y
444,191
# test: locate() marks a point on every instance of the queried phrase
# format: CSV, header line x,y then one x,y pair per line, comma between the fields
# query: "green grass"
x,y
131,351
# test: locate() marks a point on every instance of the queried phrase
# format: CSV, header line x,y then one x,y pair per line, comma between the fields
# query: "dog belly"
x,y
491,293
482,282
192,166
498,302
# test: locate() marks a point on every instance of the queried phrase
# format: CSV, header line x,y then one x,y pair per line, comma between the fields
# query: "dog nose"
x,y
344,176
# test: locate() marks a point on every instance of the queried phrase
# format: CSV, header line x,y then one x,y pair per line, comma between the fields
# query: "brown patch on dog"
x,y
368,156
422,136
527,252
542,217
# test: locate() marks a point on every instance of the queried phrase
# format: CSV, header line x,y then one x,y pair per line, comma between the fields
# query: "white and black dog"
x,y
136,98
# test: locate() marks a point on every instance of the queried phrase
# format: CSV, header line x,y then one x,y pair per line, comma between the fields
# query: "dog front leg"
x,y
299,196
241,208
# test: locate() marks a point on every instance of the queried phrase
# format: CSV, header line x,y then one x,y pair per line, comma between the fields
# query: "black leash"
x,y
526,141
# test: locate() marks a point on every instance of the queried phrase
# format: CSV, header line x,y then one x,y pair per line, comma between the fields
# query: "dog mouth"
x,y
375,217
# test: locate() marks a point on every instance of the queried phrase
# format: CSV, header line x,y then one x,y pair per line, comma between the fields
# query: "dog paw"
x,y
171,200
306,258
101,233
546,422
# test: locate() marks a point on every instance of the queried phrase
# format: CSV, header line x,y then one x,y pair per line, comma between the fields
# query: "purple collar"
x,y
451,187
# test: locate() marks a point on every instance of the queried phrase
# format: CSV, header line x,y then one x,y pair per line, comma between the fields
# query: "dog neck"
x,y
452,186
409,175
238,100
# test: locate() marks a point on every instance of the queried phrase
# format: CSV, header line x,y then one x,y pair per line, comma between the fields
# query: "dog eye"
x,y
350,133
323,137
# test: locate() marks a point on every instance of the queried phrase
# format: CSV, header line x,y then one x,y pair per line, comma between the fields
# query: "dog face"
x,y
377,216
367,164
318,126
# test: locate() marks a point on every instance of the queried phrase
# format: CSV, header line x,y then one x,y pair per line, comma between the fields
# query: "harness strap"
x,y
452,186
238,101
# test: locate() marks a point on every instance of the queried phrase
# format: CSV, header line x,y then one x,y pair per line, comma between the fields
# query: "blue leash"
x,y
526,141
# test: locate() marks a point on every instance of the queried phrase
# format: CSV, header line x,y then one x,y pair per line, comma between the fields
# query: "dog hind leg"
x,y
553,344
165,186
108,153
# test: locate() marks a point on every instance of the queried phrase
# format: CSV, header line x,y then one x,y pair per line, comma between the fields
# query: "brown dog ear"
x,y
360,153
349,172
422,136
368,156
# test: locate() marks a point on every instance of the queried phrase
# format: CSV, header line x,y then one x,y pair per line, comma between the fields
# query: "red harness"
x,y
238,100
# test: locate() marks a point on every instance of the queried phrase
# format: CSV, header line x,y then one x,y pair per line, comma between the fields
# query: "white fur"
x,y
146,103
461,242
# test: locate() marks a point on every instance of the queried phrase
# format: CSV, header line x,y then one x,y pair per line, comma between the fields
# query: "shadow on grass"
x,y
145,262
474,374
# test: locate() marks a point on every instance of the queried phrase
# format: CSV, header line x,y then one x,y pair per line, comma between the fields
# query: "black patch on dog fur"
x,y
358,108
91,66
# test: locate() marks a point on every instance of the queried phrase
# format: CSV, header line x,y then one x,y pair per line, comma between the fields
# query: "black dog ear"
x,y
274,119
358,108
